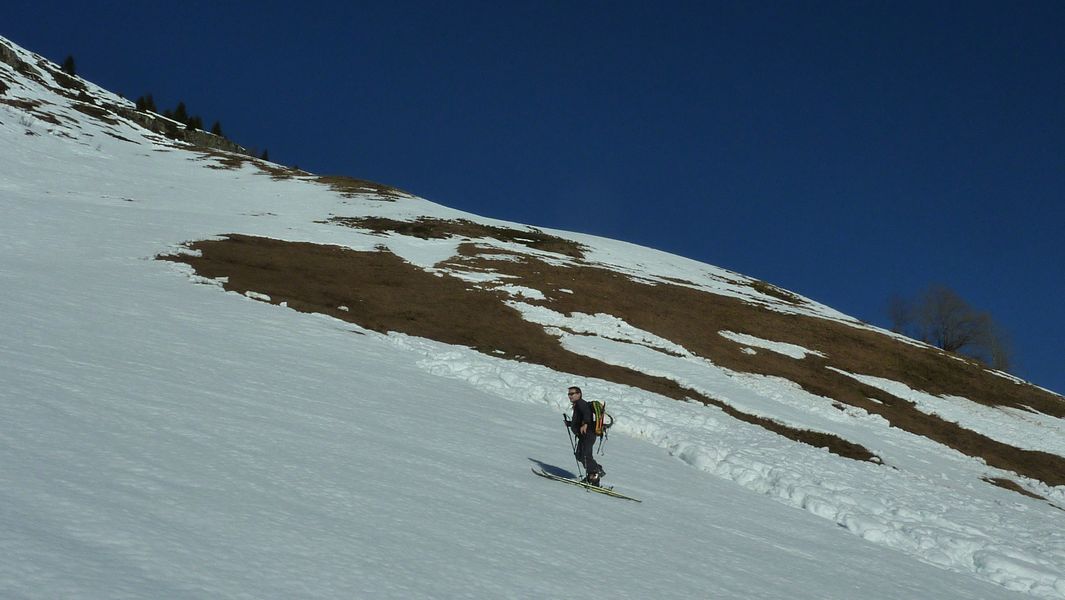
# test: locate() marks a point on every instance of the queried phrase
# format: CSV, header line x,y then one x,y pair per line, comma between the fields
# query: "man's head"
x,y
574,393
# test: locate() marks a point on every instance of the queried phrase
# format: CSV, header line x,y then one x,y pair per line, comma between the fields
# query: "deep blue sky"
x,y
847,151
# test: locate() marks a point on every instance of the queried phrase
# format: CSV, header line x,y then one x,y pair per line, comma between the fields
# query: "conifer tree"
x,y
181,113
217,129
146,103
68,66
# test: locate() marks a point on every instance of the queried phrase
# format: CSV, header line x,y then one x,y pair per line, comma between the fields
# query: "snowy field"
x,y
165,438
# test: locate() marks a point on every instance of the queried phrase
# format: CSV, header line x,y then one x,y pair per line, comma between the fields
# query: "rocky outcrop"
x,y
176,130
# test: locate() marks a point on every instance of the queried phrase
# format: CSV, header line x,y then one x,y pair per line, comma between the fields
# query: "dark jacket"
x,y
582,413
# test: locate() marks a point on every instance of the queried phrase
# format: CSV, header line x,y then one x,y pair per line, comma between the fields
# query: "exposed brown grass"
x,y
26,105
345,186
225,160
385,294
430,228
234,160
33,107
1012,486
95,112
66,81
774,292
693,318
350,187
27,70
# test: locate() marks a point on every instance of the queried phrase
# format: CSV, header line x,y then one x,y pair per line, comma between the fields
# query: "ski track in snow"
x,y
943,520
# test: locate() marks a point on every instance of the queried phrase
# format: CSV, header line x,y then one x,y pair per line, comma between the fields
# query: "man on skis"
x,y
583,426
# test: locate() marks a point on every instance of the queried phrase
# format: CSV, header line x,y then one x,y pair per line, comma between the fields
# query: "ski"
x,y
599,489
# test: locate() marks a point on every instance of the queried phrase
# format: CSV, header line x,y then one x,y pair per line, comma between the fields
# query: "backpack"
x,y
599,416
603,421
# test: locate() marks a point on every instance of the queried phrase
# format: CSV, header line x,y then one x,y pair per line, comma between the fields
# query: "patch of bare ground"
x,y
384,293
430,228
1012,486
95,112
26,105
693,318
118,137
224,160
26,69
773,291
33,108
235,160
350,187
66,81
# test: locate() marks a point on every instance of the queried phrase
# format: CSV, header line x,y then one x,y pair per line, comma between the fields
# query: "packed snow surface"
x,y
164,438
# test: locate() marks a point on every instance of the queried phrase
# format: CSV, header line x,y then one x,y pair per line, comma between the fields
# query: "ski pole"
x,y
573,445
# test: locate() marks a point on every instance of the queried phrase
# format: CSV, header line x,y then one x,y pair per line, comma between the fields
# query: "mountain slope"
x,y
166,436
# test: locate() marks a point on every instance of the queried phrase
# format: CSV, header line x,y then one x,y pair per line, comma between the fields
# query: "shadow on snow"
x,y
553,470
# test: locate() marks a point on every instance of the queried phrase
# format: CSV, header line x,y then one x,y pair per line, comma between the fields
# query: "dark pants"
x,y
585,448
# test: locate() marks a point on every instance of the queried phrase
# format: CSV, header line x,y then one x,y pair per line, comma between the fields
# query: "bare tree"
x,y
900,311
996,348
942,318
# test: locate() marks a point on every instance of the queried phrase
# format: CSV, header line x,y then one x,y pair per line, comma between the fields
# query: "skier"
x,y
583,427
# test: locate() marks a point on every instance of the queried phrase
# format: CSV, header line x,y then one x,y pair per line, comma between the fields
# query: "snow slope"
x,y
166,439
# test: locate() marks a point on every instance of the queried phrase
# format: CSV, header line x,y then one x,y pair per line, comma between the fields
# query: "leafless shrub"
x,y
941,317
